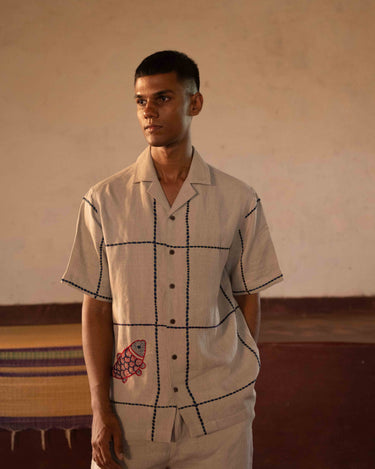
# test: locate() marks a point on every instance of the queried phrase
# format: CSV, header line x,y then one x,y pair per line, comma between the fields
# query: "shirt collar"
x,y
199,172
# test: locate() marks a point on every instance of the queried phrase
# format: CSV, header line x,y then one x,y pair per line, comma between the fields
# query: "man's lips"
x,y
152,127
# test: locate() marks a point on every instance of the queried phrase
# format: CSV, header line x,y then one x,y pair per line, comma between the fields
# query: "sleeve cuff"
x,y
263,286
86,291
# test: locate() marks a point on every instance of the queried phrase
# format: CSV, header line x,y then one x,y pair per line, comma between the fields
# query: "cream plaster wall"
x,y
289,108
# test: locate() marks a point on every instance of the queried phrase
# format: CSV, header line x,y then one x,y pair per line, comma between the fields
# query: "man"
x,y
170,254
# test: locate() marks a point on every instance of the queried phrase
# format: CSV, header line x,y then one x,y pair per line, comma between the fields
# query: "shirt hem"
x,y
261,287
95,295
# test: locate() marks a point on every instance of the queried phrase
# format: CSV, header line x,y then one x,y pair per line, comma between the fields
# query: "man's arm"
x,y
250,307
97,341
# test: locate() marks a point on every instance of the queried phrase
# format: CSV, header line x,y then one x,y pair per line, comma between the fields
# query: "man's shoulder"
x,y
231,184
113,183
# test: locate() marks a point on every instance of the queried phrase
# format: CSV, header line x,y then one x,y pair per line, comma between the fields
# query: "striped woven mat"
x,y
43,380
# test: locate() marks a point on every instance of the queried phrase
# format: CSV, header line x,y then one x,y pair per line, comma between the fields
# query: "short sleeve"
x,y
252,263
87,269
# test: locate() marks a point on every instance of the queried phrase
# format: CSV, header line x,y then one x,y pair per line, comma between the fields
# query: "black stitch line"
x,y
92,205
251,211
248,346
101,267
260,286
220,397
85,290
192,405
187,317
237,390
125,243
227,297
145,405
167,326
242,252
156,328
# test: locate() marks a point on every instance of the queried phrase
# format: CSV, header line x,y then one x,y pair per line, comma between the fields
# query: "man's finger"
x,y
117,445
98,458
109,462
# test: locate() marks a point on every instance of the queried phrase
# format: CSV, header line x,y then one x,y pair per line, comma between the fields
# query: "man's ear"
x,y
196,104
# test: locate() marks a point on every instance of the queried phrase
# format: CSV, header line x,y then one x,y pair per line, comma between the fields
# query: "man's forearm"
x,y
97,341
250,307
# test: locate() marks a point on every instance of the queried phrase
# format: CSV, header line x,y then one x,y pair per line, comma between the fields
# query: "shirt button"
x,y
175,389
172,321
171,251
172,285
174,357
172,217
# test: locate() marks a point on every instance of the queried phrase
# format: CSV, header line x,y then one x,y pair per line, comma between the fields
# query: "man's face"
x,y
164,109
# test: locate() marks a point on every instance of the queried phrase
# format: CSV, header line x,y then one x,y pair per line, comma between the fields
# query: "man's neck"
x,y
172,164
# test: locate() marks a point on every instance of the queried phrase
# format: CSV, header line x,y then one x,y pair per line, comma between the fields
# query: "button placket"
x,y
172,257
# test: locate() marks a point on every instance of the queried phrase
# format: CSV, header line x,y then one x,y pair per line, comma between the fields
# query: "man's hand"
x,y
106,430
250,307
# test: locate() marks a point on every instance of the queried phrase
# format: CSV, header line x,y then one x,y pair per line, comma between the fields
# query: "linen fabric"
x,y
229,448
171,273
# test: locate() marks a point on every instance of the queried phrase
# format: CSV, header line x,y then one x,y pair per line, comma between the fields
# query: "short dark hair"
x,y
167,61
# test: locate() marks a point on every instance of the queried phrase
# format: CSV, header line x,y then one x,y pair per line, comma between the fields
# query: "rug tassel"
x,y
43,439
13,440
68,436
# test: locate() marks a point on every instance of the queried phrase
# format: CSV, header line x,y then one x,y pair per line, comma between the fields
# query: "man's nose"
x,y
150,110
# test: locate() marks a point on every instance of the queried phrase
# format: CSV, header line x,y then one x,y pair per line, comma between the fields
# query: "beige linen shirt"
x,y
171,273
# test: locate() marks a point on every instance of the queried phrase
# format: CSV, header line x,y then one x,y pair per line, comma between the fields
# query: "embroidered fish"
x,y
131,361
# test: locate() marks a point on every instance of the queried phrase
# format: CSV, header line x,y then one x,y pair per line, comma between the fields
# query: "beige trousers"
x,y
231,448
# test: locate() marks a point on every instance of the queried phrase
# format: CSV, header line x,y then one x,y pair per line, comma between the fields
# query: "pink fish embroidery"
x,y
131,361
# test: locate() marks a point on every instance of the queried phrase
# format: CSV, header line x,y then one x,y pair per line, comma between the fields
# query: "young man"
x,y
171,254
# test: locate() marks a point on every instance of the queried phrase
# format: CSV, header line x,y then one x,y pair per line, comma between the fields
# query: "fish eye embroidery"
x,y
131,361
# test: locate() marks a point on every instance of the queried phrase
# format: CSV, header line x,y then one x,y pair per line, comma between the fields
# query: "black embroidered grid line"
x,y
145,405
248,346
259,286
251,211
92,205
101,267
156,328
237,390
227,297
242,272
167,326
220,397
187,317
198,246
87,291
190,405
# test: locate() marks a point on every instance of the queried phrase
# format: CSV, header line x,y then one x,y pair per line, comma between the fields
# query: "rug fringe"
x,y
13,440
43,439
68,436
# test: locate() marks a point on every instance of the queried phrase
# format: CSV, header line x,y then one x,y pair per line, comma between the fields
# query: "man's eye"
x,y
140,102
163,99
